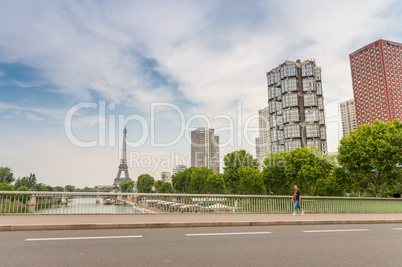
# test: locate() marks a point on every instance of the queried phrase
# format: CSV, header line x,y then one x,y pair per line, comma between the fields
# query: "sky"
x,y
73,73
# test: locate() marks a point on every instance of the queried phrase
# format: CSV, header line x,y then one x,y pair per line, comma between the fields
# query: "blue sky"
x,y
201,56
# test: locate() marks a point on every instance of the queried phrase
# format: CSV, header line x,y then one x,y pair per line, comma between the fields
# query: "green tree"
x,y
181,180
251,182
274,176
127,186
70,188
4,186
233,162
158,185
58,189
145,183
163,187
23,188
305,168
41,187
216,184
29,182
373,156
6,175
199,180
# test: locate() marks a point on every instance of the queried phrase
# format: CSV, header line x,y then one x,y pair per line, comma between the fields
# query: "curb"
x,y
99,226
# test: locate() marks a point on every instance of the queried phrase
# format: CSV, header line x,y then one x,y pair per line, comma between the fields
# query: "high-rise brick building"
x,y
296,107
377,81
205,149
348,116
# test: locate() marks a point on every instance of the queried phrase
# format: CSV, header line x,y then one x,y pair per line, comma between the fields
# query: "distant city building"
x,y
205,149
377,81
179,168
123,167
166,177
263,142
296,107
348,116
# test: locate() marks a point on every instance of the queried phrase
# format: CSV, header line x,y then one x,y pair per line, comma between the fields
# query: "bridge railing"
x,y
18,202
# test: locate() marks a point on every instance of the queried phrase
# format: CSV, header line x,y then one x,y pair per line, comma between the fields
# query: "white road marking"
x,y
339,230
240,233
82,238
397,229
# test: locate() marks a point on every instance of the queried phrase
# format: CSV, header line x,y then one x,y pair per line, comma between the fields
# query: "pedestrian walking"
x,y
297,200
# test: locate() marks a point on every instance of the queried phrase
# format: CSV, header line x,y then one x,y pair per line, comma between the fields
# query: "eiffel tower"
x,y
123,163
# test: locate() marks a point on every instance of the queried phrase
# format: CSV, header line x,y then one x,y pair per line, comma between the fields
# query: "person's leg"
x,y
296,205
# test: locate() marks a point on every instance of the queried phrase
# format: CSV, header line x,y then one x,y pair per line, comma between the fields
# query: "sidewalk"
x,y
79,222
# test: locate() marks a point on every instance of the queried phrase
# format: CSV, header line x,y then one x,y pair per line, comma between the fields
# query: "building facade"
x,y
377,81
166,177
263,142
205,149
179,168
348,116
296,107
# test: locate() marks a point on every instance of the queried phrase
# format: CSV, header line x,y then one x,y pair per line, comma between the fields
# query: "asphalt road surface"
x,y
320,245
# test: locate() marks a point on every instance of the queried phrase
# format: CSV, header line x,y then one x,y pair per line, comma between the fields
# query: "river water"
x,y
87,205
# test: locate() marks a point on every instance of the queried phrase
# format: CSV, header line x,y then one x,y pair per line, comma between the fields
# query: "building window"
x,y
271,92
291,115
307,70
323,133
310,100
311,115
319,88
291,145
320,103
308,84
272,121
272,106
274,135
312,131
290,100
288,71
317,74
292,131
289,85
315,143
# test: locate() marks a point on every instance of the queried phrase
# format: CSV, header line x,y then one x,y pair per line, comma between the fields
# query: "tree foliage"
x,y
28,182
127,186
233,162
145,183
216,184
163,187
199,178
373,156
6,175
251,182
181,180
4,186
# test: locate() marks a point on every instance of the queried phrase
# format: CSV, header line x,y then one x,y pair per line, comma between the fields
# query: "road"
x,y
314,245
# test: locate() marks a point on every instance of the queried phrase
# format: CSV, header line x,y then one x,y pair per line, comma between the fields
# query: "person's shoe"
x,y
302,213
294,213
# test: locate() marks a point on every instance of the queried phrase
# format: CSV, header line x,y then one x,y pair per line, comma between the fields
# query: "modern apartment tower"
x,y
179,168
348,116
205,149
377,81
263,142
296,107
